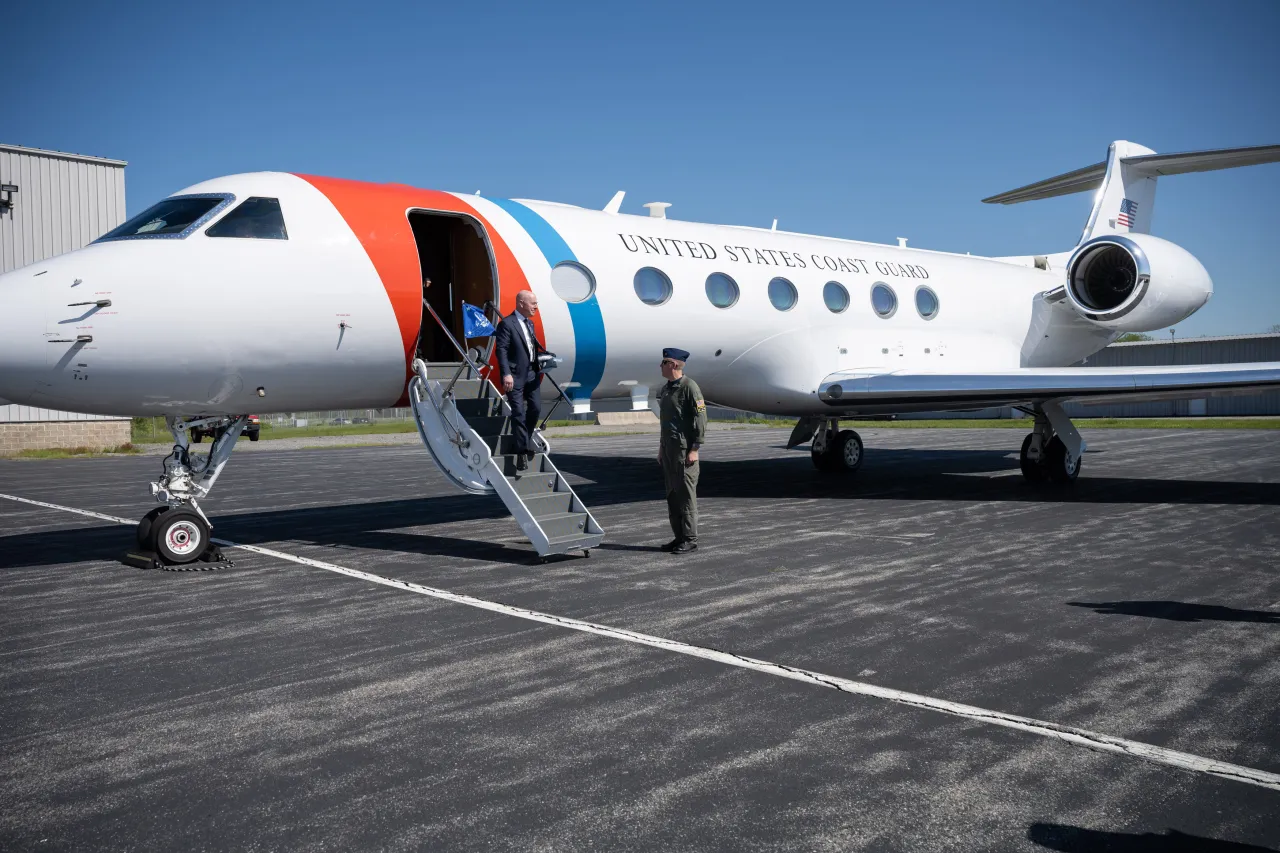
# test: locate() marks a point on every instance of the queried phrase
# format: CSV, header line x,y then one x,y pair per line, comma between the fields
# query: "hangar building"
x,y
53,202
1231,349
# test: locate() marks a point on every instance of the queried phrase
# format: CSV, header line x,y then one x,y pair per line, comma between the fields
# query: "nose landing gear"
x,y
176,536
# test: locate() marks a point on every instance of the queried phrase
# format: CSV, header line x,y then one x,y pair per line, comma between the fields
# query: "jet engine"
x,y
1136,282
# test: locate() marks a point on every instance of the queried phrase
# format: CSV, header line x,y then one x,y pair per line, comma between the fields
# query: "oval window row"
x,y
573,282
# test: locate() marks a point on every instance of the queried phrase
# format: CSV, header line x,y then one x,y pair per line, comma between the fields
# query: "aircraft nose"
x,y
22,324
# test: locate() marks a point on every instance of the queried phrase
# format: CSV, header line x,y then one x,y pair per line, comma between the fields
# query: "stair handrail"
x,y
462,351
560,395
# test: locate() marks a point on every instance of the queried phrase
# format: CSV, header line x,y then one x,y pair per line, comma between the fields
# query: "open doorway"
x,y
454,257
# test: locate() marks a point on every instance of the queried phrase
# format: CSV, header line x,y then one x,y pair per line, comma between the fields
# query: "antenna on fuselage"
x,y
615,203
774,226
658,209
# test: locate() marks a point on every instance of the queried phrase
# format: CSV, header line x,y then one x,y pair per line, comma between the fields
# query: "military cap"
x,y
676,353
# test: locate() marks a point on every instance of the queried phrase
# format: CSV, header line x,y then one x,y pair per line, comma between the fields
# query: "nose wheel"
x,y
179,536
176,536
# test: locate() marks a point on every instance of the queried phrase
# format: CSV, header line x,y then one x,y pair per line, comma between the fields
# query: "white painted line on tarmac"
x,y
1066,734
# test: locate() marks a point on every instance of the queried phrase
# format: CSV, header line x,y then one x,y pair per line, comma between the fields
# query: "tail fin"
x,y
1126,183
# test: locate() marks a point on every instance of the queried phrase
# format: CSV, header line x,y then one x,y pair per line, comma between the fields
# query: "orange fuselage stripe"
x,y
378,215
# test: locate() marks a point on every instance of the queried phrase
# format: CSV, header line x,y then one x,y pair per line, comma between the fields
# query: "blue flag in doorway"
x,y
474,323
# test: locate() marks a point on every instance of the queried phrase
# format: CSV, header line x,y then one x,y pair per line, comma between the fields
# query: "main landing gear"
x,y
834,449
1053,450
178,533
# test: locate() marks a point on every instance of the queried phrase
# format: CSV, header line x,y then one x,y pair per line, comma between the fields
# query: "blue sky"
x,y
864,121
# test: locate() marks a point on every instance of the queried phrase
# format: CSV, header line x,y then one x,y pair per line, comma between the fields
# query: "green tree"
x,y
1133,336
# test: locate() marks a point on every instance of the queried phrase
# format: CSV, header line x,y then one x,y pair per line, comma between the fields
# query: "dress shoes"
x,y
685,547
672,545
522,462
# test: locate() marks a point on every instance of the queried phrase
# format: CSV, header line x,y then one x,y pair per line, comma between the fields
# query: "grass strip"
x,y
74,452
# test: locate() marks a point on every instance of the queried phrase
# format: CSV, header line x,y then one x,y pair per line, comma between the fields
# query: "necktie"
x,y
528,324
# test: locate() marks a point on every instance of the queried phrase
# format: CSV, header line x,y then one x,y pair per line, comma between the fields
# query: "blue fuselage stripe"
x,y
588,323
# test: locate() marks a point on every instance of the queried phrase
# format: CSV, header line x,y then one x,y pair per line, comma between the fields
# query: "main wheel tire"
x,y
146,528
1056,463
1032,469
196,436
181,536
253,436
848,453
827,461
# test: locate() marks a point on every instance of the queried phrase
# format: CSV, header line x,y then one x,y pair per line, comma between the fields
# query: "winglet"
x,y
615,203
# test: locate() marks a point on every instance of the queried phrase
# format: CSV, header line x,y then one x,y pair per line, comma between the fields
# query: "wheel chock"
x,y
210,560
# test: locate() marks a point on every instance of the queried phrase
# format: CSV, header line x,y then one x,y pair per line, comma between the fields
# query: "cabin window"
x,y
572,282
782,294
722,290
256,218
836,297
173,218
652,286
926,303
883,300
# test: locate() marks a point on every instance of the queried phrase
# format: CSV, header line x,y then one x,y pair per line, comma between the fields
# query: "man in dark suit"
x,y
518,349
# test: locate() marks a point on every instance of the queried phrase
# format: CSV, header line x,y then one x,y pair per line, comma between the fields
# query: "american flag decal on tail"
x,y
1128,210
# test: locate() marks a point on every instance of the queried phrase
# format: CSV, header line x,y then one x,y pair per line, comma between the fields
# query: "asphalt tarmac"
x,y
275,705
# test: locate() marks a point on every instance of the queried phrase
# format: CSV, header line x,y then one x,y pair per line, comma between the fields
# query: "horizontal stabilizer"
x,y
1088,178
1150,165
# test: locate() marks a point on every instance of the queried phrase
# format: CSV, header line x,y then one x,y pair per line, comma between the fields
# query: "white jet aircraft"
x,y
275,292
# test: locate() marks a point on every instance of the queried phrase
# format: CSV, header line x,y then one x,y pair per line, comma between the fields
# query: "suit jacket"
x,y
513,355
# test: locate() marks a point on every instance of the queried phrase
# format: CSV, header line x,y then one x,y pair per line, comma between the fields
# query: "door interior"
x,y
456,267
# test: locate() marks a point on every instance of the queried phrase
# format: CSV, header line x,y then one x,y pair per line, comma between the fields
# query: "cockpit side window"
x,y
173,218
257,217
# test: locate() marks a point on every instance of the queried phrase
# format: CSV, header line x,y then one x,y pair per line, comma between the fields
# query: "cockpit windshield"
x,y
175,217
256,217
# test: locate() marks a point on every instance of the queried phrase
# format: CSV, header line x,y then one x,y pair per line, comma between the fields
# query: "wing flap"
x,y
863,388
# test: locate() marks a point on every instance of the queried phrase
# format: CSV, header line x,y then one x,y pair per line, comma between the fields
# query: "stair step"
x,y
533,484
565,543
548,503
503,445
507,465
481,407
486,426
562,524
465,388
442,369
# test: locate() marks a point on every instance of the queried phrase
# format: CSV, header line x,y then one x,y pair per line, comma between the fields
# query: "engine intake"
x,y
1105,278
1135,283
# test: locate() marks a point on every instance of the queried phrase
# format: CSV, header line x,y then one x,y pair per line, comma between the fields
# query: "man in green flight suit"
x,y
683,414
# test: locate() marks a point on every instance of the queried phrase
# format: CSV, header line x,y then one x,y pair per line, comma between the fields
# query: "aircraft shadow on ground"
x,y
1180,611
1074,839
889,475
899,475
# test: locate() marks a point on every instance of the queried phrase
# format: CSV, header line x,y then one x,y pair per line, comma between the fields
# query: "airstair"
x,y
465,424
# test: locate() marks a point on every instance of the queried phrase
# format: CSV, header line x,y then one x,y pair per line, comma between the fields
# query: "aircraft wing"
x,y
888,391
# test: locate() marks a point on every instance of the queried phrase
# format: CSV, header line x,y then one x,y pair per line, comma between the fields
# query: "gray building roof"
x,y
62,155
